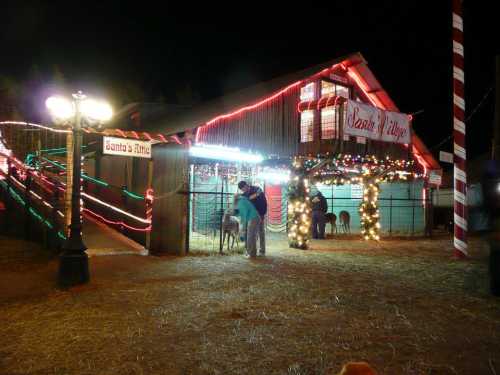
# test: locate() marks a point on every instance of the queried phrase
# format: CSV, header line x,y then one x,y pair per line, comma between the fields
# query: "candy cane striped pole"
x,y
460,174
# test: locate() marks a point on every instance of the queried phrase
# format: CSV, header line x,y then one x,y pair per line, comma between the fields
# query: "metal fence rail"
x,y
207,209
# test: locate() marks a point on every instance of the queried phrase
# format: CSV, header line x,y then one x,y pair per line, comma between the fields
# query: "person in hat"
x,y
319,208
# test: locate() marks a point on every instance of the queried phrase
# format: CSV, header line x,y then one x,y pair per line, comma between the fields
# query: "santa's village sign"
x,y
374,123
126,147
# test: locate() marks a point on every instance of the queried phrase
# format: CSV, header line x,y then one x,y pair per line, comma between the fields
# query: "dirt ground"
x,y
405,306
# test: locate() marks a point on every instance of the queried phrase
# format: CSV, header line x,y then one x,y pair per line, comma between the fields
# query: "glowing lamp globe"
x,y
96,110
60,108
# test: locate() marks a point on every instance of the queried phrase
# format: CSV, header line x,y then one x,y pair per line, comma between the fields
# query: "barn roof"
x,y
356,67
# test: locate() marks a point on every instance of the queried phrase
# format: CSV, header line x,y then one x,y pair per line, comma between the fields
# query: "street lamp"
x,y
81,111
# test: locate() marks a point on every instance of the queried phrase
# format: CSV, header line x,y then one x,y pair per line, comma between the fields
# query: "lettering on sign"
x,y
435,178
395,127
446,157
364,120
356,191
126,147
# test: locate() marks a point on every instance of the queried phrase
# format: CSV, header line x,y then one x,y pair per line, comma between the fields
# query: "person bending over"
x,y
250,221
258,199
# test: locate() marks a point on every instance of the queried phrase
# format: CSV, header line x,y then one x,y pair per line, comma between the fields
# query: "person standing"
x,y
491,206
250,221
319,208
258,198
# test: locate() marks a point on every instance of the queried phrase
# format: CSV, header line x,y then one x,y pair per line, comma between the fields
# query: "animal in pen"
x,y
345,221
230,229
331,218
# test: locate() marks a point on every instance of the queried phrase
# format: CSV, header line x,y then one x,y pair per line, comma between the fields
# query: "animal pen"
x,y
402,204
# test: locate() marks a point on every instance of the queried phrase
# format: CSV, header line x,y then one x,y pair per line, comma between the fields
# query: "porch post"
x,y
299,207
369,210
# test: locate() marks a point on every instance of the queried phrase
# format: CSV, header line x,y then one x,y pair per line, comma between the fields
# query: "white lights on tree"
x,y
369,211
224,153
299,207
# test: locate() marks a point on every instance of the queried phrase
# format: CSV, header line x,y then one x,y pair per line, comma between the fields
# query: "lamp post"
x,y
73,265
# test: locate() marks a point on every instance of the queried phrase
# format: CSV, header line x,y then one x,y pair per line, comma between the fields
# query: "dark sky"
x,y
218,48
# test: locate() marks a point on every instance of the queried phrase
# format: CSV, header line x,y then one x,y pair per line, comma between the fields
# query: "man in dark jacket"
x,y
319,208
258,198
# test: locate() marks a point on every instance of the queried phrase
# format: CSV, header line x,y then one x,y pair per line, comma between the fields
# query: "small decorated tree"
x,y
299,206
368,210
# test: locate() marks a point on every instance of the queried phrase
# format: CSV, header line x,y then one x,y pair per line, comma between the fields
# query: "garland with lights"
x,y
229,170
31,210
22,171
368,171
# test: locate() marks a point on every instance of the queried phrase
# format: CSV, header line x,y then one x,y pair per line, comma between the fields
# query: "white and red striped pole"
x,y
460,174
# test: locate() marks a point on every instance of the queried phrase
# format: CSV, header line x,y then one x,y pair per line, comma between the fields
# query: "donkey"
x,y
230,228
331,218
345,221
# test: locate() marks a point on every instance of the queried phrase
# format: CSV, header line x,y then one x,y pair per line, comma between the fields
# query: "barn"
x,y
288,136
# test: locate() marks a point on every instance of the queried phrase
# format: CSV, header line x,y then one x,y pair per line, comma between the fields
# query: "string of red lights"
x,y
149,195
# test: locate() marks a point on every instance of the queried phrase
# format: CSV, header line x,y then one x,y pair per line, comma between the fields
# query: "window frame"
x,y
307,126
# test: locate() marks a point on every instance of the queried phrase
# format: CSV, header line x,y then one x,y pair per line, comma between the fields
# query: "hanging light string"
x,y
349,169
31,210
154,137
342,169
478,106
97,181
119,223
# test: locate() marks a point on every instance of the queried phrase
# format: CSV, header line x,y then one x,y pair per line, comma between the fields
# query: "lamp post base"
x,y
73,269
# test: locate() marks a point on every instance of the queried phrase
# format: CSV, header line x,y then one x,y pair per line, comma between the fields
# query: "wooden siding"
x,y
170,206
271,129
274,129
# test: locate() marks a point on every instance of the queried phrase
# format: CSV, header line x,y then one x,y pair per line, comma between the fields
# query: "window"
x,y
329,122
306,126
330,88
327,88
342,91
361,140
307,92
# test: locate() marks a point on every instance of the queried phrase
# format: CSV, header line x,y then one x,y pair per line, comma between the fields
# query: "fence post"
x,y
149,203
53,239
390,215
413,216
8,200
222,214
430,205
27,223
